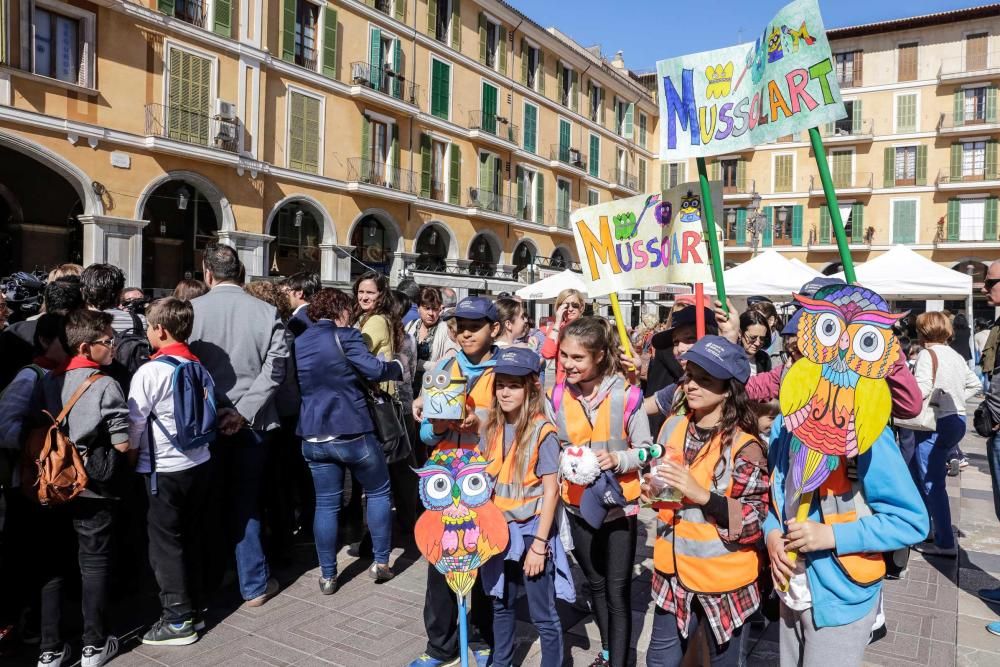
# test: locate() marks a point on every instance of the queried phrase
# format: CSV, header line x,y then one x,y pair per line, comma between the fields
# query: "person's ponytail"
x,y
596,334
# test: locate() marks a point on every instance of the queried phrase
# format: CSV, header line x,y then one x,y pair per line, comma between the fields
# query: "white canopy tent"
x,y
768,274
549,288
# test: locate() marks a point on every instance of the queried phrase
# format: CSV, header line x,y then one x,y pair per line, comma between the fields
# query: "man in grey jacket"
x,y
241,341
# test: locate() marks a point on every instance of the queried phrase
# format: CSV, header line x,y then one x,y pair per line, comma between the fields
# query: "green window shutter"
x,y
990,221
455,175
825,227
188,87
797,225
629,129
167,7
314,122
524,63
456,25
365,138
991,159
954,215
375,58
296,132
767,238
223,18
401,11
425,165
397,64
482,38
502,48
489,106
904,222
681,172
330,42
370,3
741,226
956,162
829,129
958,107
714,171
921,172
595,155
519,177
857,223
564,135
540,198
857,121
440,93
432,15
741,175
486,172
394,153
889,168
574,97
664,175
540,76
991,105
642,130
559,81
530,128
642,175
287,30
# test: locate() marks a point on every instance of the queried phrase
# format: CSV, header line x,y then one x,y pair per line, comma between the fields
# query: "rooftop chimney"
x,y
618,62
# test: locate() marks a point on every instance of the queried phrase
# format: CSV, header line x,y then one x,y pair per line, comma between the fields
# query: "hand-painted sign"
x,y
644,242
722,101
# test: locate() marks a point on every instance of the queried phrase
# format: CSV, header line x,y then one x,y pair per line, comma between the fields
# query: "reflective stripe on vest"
x,y
506,488
842,500
481,396
609,431
688,544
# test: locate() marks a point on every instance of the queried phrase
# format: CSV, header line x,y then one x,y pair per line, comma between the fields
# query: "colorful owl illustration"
x,y
445,391
461,528
835,400
690,210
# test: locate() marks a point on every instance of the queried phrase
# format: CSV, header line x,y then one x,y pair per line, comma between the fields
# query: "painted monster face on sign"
x,y
690,208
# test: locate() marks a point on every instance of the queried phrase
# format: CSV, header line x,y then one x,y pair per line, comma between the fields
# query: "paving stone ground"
x,y
933,616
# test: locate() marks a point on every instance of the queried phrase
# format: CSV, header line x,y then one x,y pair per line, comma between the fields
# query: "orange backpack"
x,y
52,469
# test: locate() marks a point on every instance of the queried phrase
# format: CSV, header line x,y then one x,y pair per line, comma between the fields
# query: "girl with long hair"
x,y
513,322
374,315
711,490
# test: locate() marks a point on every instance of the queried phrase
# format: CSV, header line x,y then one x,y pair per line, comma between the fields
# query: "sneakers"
x,y
600,661
328,586
931,549
165,633
427,661
878,634
963,463
954,467
380,572
95,657
994,628
272,589
55,658
484,657
990,595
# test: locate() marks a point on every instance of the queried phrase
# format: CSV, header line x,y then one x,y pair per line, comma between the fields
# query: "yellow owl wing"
x,y
872,408
799,385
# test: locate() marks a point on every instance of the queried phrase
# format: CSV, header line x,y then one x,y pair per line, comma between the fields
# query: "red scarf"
x,y
80,361
175,350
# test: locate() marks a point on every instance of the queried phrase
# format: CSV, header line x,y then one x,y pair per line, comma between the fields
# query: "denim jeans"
x,y
362,455
993,457
667,647
930,468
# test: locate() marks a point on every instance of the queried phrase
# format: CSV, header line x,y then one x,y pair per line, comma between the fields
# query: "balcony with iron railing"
x,y
528,212
556,264
190,11
968,180
560,154
381,174
560,218
491,202
854,183
192,127
972,123
386,81
848,130
623,179
497,126
969,67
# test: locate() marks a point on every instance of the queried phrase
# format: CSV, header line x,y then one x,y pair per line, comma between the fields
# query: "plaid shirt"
x,y
748,500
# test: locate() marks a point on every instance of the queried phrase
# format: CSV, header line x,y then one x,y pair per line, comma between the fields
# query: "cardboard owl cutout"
x,y
835,400
461,528
444,391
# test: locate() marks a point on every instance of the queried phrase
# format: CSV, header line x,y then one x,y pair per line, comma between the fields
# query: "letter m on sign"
x,y
681,109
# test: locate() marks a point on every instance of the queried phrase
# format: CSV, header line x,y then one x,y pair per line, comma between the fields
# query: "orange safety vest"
x,y
609,431
688,544
518,498
479,398
841,500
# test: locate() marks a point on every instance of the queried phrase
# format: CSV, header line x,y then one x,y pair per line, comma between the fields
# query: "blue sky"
x,y
628,25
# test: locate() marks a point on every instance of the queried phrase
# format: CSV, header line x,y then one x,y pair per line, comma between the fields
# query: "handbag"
x,y
386,414
927,419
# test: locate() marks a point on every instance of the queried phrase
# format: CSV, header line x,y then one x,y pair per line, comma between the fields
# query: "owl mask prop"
x,y
835,400
461,528
444,391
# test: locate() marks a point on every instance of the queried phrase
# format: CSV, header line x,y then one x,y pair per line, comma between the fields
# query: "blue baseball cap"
x,y
517,361
604,493
474,308
792,328
722,359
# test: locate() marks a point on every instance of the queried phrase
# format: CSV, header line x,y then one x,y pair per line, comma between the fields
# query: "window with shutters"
x,y
974,105
973,160
976,53
783,167
378,151
440,89
907,62
566,92
622,113
305,115
906,165
727,170
442,20
564,195
63,43
675,174
530,143
529,207
972,219
596,103
190,11
642,175
782,230
846,126
593,197
440,166
306,27
906,113
189,96
848,68
493,45
904,221
842,168
594,160
642,130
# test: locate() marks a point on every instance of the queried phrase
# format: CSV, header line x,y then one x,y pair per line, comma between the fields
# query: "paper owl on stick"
x,y
835,400
444,391
461,528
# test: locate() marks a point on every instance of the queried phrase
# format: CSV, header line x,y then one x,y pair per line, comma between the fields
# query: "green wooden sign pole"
x,y
831,202
708,221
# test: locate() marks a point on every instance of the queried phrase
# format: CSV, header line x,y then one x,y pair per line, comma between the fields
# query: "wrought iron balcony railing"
x,y
380,173
568,155
385,80
192,127
498,126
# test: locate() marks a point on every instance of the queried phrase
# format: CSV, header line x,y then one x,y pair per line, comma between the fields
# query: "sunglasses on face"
x,y
990,283
755,339
574,306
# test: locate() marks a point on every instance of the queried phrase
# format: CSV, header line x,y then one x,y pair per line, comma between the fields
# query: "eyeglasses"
x,y
106,342
574,305
990,283
754,339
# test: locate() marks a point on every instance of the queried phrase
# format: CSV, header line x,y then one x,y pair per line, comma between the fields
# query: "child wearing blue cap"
x,y
523,450
707,553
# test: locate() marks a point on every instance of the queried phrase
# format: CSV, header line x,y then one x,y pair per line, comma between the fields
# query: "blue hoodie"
x,y
898,520
472,372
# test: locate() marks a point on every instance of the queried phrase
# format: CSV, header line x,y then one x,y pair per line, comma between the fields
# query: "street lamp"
x,y
755,221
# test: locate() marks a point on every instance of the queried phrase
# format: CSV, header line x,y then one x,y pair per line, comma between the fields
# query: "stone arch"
x,y
496,245
76,177
329,230
220,205
442,229
391,226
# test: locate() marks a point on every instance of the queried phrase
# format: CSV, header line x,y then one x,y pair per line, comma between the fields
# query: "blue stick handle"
x,y
463,631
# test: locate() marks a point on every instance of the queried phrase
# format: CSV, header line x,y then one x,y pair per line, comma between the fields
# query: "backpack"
x,y
195,416
52,470
132,349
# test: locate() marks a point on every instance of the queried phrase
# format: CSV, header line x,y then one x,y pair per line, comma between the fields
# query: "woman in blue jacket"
x,y
337,431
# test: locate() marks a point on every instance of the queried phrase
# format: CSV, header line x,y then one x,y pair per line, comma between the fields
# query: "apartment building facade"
x,y
915,162
446,140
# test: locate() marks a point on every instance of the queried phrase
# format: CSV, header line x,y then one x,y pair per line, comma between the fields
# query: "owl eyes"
x,y
439,486
828,328
473,484
869,343
441,380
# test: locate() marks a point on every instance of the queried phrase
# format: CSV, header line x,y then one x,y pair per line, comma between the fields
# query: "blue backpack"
x,y
194,409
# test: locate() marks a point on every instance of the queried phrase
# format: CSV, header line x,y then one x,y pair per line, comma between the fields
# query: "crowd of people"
x,y
208,431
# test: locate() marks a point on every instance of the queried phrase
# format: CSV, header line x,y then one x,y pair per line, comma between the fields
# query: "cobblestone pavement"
x,y
933,615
